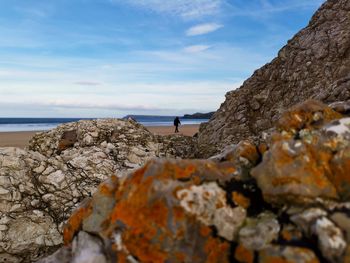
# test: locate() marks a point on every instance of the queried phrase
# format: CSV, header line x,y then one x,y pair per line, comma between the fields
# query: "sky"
x,y
109,58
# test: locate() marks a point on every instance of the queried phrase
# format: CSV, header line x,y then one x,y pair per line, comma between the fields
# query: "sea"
x,y
43,124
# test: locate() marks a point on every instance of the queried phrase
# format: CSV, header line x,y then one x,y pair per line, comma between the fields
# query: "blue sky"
x,y
109,58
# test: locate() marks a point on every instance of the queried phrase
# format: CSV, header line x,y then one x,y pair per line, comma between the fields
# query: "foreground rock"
x,y
285,202
41,186
314,64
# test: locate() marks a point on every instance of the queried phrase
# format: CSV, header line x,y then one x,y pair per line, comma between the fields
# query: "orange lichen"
x,y
205,231
244,255
248,150
286,235
340,167
284,180
108,188
273,259
216,250
303,116
178,213
148,217
290,234
181,257
74,223
240,199
263,148
183,173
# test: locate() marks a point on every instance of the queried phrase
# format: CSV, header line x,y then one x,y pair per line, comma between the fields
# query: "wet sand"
x,y
21,139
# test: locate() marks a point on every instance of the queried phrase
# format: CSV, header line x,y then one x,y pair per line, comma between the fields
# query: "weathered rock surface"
x,y
174,211
40,187
286,203
308,158
314,64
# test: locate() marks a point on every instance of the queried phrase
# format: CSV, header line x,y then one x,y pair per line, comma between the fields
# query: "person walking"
x,y
176,124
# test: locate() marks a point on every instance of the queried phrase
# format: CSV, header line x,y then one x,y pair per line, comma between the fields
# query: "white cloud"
x,y
203,29
160,98
187,9
196,48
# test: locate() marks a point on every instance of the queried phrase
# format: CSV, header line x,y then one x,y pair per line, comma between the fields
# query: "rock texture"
x,y
40,187
285,202
314,64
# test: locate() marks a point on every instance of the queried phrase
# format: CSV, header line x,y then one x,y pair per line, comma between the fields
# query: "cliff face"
x,y
314,64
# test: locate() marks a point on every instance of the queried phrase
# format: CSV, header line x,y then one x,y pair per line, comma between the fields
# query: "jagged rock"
x,y
307,115
287,203
120,138
342,107
245,155
165,204
258,233
40,187
85,249
306,219
307,162
343,221
314,64
330,238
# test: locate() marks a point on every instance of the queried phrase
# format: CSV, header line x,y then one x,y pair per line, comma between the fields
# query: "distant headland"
x,y
196,115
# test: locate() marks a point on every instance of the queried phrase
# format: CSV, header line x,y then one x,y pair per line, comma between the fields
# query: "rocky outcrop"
x,y
40,186
123,140
285,200
314,64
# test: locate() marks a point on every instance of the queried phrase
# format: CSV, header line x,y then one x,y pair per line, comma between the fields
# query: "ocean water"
x,y
43,124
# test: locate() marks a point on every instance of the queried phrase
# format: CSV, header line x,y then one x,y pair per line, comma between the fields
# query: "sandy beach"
x,y
21,139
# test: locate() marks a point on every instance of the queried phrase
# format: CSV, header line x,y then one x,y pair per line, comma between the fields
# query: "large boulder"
x,y
314,64
167,211
286,202
40,186
308,158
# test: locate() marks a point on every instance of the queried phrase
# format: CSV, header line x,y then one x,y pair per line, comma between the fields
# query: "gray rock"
x,y
330,239
40,186
258,233
314,64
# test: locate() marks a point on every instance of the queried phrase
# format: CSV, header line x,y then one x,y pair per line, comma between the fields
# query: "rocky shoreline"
x,y
267,179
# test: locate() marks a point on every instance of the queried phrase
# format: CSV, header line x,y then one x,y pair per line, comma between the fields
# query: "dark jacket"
x,y
177,121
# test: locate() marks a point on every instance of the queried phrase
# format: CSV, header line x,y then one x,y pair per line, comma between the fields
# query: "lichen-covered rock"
x,y
40,187
285,202
314,64
306,115
307,162
165,204
330,238
258,233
